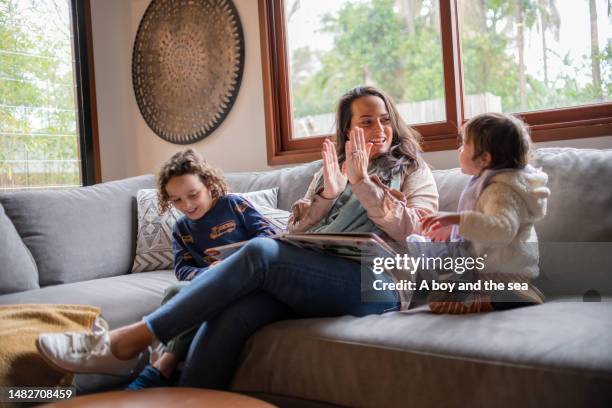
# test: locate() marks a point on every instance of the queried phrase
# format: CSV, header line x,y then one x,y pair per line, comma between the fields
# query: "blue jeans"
x,y
266,281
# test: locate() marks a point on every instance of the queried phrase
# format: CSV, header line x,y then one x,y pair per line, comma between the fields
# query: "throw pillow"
x,y
18,268
263,198
154,240
278,218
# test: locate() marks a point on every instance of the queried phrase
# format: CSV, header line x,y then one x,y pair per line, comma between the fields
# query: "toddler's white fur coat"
x,y
502,224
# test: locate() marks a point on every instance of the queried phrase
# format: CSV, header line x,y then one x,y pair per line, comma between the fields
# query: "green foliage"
x,y
379,52
37,108
374,43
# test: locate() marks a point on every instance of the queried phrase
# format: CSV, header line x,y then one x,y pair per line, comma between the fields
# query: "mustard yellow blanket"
x,y
20,363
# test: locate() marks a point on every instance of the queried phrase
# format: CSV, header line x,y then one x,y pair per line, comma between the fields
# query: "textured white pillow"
x,y
265,201
262,198
154,240
278,218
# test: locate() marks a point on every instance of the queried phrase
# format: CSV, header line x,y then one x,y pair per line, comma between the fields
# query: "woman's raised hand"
x,y
334,180
357,156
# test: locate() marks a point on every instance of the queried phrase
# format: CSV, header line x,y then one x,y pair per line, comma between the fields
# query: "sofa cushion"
x,y
262,198
277,218
576,234
78,234
154,237
450,183
123,299
581,199
17,267
555,354
292,182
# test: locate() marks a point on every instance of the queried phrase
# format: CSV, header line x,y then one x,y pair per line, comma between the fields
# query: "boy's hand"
x,y
431,223
212,265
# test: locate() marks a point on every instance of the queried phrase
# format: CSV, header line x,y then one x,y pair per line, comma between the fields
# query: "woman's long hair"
x,y
403,154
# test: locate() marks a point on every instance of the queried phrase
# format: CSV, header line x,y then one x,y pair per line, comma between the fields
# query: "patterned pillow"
x,y
278,218
154,240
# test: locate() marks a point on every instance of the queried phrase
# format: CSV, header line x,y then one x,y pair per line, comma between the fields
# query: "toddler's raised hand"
x,y
439,220
441,234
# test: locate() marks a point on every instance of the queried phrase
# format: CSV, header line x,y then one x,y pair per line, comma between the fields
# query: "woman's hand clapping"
x,y
357,156
334,180
355,167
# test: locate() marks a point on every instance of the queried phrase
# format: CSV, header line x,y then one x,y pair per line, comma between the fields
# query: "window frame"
x,y
85,92
546,125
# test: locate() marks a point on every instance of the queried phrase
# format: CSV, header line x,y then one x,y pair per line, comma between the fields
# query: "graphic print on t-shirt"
x,y
224,228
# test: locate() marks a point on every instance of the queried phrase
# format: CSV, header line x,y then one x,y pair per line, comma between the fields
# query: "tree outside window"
x,y
39,140
549,61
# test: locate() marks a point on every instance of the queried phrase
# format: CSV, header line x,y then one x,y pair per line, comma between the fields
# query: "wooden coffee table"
x,y
163,397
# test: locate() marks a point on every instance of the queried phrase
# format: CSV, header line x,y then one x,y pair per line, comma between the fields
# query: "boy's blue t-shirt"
x,y
231,219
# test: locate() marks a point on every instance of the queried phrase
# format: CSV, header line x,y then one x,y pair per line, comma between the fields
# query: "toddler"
x,y
495,216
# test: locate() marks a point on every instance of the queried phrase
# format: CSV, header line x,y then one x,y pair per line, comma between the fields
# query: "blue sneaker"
x,y
150,377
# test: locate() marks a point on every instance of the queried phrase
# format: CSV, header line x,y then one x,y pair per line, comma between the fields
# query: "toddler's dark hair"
x,y
188,162
504,137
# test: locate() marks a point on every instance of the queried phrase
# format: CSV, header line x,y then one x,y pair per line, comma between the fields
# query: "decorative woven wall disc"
x,y
187,66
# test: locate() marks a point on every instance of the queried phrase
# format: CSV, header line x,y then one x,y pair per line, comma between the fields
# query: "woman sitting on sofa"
x,y
376,183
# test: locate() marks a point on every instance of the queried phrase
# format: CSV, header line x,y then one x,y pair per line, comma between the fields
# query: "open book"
x,y
355,246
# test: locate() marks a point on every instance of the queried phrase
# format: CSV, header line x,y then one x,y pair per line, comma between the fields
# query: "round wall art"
x,y
187,66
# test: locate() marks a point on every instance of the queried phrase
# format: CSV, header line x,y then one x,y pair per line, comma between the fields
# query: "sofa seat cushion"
x,y
123,299
555,354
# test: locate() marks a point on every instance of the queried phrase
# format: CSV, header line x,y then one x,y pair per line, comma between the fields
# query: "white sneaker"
x,y
82,352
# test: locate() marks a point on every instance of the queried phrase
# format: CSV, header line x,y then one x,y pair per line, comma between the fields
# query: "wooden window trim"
x,y
546,125
87,112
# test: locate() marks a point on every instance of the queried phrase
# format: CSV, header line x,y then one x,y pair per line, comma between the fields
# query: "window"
x,y
46,131
366,42
535,55
443,61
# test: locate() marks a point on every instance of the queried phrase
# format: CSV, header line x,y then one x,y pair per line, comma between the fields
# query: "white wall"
x,y
129,148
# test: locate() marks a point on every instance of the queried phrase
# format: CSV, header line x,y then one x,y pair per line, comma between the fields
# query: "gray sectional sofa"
x,y
77,246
